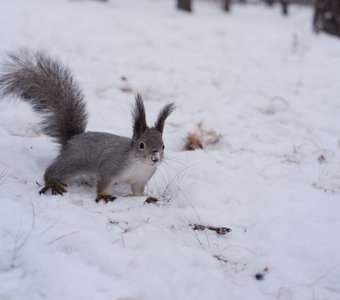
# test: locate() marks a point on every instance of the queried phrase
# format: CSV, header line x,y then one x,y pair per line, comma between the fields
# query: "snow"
x,y
266,83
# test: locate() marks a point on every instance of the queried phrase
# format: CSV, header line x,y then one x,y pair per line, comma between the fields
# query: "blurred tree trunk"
x,y
327,16
269,2
284,4
184,5
226,6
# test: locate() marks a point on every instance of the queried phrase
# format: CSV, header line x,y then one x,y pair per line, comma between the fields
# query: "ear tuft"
x,y
162,116
138,117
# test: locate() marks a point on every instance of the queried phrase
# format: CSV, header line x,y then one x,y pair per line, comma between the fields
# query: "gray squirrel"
x,y
51,90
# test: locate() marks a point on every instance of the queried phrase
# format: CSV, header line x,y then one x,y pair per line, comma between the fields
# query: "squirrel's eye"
x,y
141,145
163,147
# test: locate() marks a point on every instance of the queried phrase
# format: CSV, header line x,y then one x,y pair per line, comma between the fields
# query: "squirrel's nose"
x,y
155,155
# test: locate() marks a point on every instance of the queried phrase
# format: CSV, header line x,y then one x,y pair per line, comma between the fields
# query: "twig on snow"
x,y
218,230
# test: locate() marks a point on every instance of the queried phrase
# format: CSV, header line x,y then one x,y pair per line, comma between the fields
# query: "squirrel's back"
x,y
49,87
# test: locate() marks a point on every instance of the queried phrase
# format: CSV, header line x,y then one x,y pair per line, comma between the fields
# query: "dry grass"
x,y
2,177
201,138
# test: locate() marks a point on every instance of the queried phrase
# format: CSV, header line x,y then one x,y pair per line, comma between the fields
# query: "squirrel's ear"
x,y
138,117
163,114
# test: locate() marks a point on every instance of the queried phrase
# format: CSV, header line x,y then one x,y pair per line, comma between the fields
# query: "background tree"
x,y
327,16
226,6
269,2
284,4
184,5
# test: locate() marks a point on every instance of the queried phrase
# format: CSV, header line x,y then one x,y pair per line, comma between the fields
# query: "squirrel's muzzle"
x,y
155,156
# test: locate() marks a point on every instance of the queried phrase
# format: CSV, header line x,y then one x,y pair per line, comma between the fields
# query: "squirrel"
x,y
49,87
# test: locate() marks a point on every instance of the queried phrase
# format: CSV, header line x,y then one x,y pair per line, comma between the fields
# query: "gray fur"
x,y
109,158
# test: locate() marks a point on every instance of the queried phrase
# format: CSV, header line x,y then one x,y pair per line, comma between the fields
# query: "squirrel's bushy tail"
x,y
49,87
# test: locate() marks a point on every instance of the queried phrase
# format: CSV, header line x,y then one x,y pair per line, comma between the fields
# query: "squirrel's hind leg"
x,y
102,194
60,170
57,187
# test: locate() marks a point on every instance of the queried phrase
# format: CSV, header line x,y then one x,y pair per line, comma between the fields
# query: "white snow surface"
x,y
267,84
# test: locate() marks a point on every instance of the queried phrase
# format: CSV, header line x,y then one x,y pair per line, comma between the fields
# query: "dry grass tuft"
x,y
2,177
201,138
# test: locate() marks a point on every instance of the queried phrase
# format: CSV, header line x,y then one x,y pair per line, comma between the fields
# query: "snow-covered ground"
x,y
266,83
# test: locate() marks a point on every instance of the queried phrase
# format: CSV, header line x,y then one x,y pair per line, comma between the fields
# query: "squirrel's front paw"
x,y
57,188
106,198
